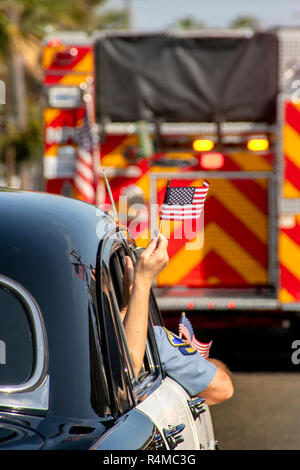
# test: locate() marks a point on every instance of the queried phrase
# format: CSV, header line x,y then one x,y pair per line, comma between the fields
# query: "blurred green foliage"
x,y
188,23
28,143
23,24
245,21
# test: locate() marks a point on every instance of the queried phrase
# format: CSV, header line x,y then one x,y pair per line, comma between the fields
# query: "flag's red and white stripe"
x,y
84,181
84,176
203,348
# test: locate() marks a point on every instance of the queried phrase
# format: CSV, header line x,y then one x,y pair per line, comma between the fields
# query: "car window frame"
x,y
117,409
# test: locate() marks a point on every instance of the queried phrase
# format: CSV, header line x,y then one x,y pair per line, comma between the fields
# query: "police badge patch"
x,y
184,347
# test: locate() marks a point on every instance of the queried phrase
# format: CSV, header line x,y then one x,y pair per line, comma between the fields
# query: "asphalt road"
x,y
263,414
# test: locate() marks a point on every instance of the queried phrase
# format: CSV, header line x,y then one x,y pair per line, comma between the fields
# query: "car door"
x,y
157,397
197,406
200,415
196,409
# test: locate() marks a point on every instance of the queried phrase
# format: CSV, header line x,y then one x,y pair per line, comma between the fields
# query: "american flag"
x,y
184,202
186,330
79,270
84,180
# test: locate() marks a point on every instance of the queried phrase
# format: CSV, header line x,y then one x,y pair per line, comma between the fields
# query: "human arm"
x,y
150,263
220,388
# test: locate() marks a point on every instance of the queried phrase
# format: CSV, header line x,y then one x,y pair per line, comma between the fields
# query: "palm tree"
x,y
22,24
188,23
245,21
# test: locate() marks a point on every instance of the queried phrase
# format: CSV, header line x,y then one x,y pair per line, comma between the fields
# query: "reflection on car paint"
x,y
2,352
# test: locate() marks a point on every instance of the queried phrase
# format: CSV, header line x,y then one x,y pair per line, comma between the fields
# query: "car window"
x,y
99,385
16,344
117,362
155,312
24,382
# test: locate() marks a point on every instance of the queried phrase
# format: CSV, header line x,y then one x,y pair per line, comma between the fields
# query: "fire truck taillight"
x,y
212,160
231,305
65,57
54,42
258,145
203,145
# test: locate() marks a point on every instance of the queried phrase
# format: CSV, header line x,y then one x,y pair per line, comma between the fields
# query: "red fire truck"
x,y
217,105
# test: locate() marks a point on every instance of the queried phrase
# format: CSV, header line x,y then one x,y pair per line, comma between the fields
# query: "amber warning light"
x,y
212,160
203,145
258,145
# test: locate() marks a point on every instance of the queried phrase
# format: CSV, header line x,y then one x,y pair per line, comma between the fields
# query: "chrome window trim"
x,y
37,399
38,383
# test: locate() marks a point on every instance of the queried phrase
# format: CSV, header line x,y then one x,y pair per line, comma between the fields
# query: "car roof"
x,y
39,221
43,206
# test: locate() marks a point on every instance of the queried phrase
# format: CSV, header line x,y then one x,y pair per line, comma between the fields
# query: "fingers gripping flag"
x,y
184,202
186,330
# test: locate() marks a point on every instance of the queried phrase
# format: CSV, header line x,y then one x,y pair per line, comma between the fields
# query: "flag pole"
x,y
110,195
112,201
168,185
182,315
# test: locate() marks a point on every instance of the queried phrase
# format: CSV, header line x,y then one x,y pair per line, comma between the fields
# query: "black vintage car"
x,y
66,376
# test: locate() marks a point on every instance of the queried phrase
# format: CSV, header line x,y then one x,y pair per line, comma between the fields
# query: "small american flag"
x,y
186,330
84,180
184,202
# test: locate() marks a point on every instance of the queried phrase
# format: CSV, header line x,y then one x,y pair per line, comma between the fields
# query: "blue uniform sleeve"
x,y
182,362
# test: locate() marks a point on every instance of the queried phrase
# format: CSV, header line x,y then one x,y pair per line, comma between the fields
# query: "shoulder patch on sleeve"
x,y
184,347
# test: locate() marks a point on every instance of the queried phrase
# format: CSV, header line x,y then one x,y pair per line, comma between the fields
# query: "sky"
x,y
158,14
